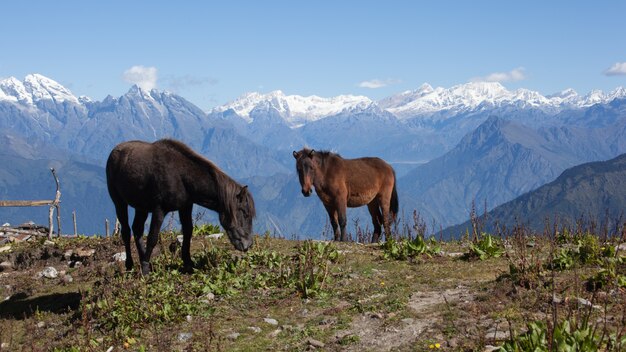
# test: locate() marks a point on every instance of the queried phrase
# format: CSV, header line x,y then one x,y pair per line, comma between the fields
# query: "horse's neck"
x,y
324,172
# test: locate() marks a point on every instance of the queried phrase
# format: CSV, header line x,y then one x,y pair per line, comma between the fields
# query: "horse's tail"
x,y
393,206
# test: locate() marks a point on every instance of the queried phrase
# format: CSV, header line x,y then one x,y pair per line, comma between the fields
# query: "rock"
x,y
5,248
621,247
41,324
274,333
50,273
76,264
587,303
6,266
233,336
315,343
179,239
48,243
490,348
189,318
209,296
66,279
304,313
215,235
119,257
254,329
271,321
497,335
68,254
185,336
85,253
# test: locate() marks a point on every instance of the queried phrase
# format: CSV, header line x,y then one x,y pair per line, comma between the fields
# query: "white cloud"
x,y
377,83
619,68
144,77
511,76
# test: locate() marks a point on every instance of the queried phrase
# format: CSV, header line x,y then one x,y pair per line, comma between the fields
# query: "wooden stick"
x,y
25,203
57,201
74,220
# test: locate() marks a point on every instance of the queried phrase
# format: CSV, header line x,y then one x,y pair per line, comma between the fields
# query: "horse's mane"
x,y
227,189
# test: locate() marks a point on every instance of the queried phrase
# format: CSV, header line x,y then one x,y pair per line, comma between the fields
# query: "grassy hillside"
x,y
404,295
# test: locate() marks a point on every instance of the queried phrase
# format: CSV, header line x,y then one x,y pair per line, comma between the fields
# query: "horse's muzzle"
x,y
307,192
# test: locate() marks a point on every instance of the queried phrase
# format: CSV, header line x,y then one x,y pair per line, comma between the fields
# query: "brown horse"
x,y
342,183
165,176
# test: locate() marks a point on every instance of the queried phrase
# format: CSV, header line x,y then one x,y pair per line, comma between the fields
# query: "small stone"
x,y
189,318
254,329
376,316
4,345
233,336
620,247
50,273
5,248
48,243
490,348
556,299
271,321
6,266
179,239
209,296
215,235
315,343
85,253
66,279
41,324
497,335
119,257
274,333
304,313
68,254
184,336
76,264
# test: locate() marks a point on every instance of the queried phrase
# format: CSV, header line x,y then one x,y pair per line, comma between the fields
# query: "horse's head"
x,y
306,166
238,221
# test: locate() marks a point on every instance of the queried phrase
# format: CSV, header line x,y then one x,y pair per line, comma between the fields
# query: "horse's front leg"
x,y
153,238
341,217
187,227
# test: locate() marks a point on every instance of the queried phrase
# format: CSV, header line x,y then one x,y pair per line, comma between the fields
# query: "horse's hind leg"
x,y
386,215
153,238
377,219
138,226
187,227
332,214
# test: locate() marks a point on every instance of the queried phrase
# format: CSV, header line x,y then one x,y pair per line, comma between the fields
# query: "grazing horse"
x,y
165,176
342,183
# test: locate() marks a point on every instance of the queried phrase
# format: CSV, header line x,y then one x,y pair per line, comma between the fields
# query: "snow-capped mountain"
x,y
34,88
426,101
296,110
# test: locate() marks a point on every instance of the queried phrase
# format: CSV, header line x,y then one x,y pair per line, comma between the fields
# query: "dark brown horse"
x,y
165,176
342,183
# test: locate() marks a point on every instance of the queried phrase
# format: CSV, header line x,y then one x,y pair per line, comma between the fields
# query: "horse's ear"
x,y
242,191
311,153
295,154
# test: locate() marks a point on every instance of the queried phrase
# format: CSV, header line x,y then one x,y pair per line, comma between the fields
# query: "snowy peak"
x,y
427,101
295,109
35,88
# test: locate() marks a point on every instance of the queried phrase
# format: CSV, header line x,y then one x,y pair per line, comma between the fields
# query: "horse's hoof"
x,y
129,265
188,269
145,268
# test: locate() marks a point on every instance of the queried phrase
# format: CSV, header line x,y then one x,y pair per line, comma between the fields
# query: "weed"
x,y
484,247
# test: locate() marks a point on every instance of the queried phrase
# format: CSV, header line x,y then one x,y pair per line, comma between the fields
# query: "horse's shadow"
x,y
21,307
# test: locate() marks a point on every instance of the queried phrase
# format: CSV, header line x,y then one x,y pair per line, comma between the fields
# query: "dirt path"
x,y
375,335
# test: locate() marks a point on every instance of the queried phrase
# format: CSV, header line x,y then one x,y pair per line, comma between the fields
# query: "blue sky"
x,y
212,52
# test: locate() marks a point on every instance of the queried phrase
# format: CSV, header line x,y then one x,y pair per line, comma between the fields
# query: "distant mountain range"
x,y
593,191
476,142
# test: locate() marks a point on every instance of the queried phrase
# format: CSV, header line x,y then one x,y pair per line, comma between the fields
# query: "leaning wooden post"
x,y
106,227
74,220
57,202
